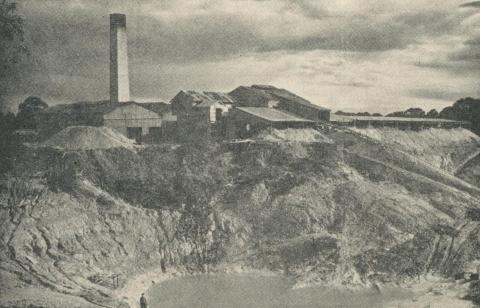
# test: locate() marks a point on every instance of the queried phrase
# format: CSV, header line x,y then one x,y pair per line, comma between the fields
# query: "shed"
x,y
199,114
245,121
270,96
131,119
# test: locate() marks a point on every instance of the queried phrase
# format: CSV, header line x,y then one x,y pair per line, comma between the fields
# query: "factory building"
x,y
192,115
242,112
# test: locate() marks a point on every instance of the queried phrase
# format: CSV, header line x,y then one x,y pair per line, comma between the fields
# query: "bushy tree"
x,y
12,46
415,113
340,112
7,141
28,110
396,114
432,113
11,32
409,113
465,109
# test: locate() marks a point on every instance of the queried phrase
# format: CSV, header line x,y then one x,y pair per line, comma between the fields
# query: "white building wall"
x,y
132,115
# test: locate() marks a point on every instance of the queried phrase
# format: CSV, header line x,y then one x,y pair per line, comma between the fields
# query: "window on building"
x,y
155,132
218,114
134,133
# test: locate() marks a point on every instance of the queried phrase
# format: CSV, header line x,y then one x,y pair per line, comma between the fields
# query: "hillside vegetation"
x,y
353,212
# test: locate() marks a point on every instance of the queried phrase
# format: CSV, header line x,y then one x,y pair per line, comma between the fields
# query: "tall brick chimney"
x,y
119,83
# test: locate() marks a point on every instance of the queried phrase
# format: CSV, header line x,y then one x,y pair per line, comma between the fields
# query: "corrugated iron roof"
x,y
207,99
272,115
220,96
271,92
198,96
210,96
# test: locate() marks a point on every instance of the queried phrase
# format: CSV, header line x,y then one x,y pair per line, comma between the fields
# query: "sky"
x,y
350,55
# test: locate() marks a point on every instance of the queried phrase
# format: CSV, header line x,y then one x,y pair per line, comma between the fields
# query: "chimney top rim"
x,y
118,18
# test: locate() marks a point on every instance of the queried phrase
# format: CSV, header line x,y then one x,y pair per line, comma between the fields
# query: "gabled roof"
x,y
220,96
272,93
198,96
102,107
272,115
205,99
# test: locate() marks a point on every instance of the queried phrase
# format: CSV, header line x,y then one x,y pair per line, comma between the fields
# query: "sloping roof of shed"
x,y
198,96
272,115
219,97
273,93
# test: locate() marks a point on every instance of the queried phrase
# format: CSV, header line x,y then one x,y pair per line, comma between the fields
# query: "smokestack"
x,y
119,84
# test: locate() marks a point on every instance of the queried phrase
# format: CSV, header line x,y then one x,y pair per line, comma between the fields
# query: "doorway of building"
x,y
134,133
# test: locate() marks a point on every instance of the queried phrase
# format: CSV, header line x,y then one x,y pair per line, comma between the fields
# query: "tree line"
x,y
25,119
464,109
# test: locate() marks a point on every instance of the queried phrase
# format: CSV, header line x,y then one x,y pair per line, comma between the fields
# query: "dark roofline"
x,y
271,91
303,101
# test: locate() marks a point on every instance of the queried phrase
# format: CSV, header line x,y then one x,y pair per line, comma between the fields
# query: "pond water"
x,y
247,291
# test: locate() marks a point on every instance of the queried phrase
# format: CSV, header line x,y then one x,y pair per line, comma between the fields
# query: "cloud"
x,y
436,94
206,30
366,54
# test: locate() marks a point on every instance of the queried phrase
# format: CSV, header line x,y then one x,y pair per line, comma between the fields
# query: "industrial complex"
x,y
193,114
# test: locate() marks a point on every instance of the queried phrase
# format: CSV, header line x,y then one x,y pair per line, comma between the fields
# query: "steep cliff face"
x,y
353,211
